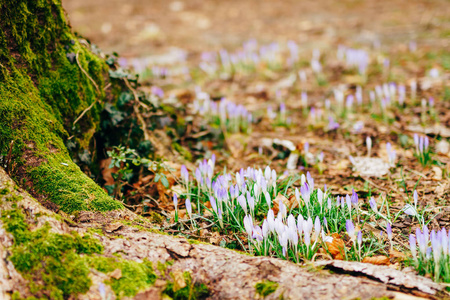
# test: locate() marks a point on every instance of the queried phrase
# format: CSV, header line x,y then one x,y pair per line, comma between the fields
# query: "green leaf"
x,y
164,181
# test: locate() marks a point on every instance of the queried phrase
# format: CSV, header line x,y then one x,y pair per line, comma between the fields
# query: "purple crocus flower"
x,y
306,194
350,229
184,174
310,181
373,204
189,206
416,197
243,203
354,198
248,225
257,233
265,229
175,200
412,246
359,238
389,231
212,200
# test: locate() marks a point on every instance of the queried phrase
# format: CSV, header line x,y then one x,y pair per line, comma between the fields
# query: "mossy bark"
x,y
42,91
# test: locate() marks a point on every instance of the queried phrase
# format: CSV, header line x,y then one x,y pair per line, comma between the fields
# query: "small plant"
x,y
433,257
124,159
423,152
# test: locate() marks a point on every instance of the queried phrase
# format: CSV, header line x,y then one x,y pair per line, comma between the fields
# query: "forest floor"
x,y
355,93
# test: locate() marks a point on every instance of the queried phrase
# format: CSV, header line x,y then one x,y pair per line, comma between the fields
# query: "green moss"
x,y
52,263
41,93
183,151
266,287
135,276
192,290
57,265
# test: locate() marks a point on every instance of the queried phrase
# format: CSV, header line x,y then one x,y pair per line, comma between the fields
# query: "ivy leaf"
x,y
164,181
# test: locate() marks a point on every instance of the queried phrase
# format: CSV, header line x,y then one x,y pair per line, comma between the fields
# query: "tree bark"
x,y
47,79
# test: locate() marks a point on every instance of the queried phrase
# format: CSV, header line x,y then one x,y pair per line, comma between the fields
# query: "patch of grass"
x,y
266,287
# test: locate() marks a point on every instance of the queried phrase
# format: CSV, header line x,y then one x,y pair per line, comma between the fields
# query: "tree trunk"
x,y
47,79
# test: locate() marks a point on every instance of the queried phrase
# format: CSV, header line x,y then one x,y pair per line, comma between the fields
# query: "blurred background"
x,y
136,28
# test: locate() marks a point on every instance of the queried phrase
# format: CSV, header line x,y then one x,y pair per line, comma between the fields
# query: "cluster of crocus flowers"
x,y
433,256
231,116
422,150
392,155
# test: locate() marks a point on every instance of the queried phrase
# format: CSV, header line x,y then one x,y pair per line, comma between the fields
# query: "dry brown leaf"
x,y
116,274
393,254
215,238
276,203
336,247
380,260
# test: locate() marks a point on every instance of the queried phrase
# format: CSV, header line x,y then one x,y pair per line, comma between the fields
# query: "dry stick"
x,y
93,82
86,73
9,156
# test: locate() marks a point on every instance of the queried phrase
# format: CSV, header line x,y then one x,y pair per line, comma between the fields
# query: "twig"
x,y
85,73
93,82
8,163
85,111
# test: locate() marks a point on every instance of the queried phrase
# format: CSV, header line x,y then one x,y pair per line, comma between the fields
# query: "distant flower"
x,y
373,204
359,238
175,200
189,207
389,231
409,210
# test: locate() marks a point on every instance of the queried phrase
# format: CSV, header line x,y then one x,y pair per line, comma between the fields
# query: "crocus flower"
x,y
320,197
257,233
189,207
271,220
175,200
409,210
265,229
248,225
317,227
310,181
185,174
350,229
354,198
243,203
389,231
359,238
412,246
416,197
373,204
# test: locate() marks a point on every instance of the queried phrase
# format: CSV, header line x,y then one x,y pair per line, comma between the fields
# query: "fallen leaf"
x,y
276,203
215,238
336,247
116,274
380,260
393,254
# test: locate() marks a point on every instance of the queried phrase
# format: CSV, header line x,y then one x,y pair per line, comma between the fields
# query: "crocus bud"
x,y
189,207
